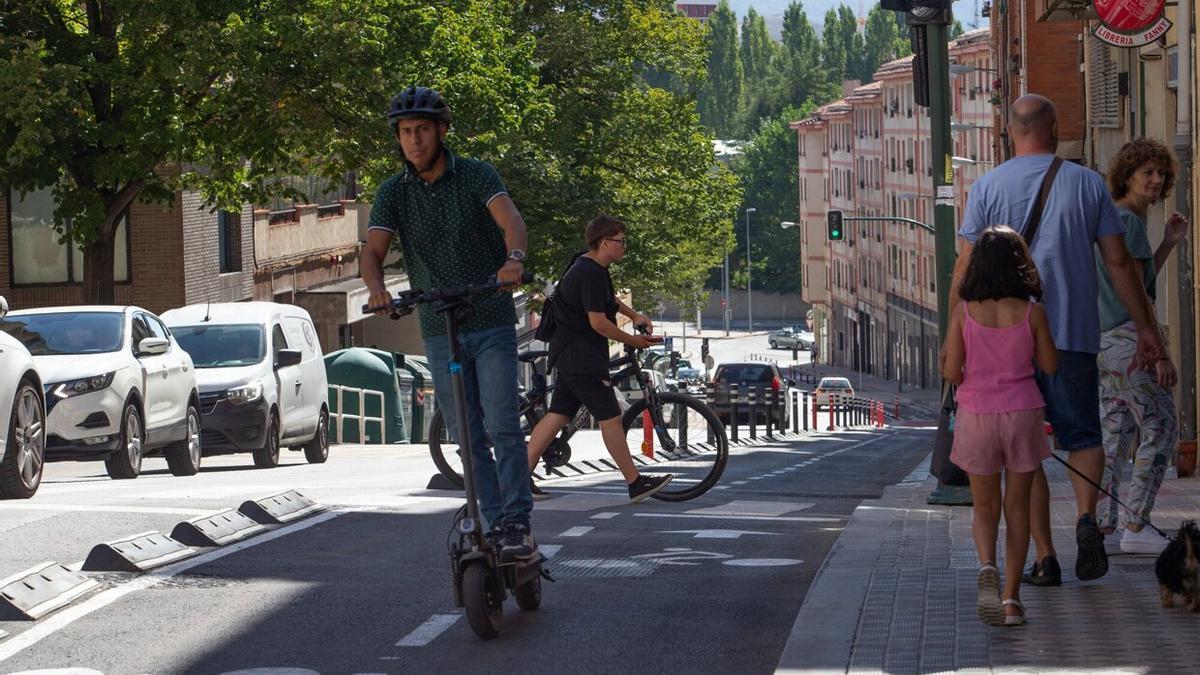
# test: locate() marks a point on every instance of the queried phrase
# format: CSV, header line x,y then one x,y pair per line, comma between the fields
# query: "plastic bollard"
x,y
647,434
753,413
733,412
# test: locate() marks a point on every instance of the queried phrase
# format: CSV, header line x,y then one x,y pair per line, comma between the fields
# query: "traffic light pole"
x,y
943,209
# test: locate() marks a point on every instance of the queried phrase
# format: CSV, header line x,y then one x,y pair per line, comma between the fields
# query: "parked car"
x,y
829,389
118,387
262,378
790,338
22,419
761,376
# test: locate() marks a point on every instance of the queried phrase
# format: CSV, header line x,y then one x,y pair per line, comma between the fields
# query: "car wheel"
x,y
774,345
126,462
22,464
183,457
317,450
267,457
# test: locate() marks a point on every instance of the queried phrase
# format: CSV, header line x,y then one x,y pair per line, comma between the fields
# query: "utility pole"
x,y
929,23
1186,273
749,298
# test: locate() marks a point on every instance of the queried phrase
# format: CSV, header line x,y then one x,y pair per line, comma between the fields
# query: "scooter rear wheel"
x,y
529,594
483,596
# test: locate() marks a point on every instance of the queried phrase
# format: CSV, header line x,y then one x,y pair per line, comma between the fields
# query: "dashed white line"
x,y
606,515
577,531
548,550
428,631
740,482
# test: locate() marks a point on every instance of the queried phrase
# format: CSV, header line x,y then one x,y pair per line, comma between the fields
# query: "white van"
x,y
261,376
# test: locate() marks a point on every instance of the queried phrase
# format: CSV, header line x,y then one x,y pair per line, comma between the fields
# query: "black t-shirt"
x,y
576,347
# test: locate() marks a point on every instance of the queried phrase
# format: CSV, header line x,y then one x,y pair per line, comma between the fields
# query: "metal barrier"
x,y
340,416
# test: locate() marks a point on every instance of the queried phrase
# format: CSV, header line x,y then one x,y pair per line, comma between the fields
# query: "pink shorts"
x,y
984,443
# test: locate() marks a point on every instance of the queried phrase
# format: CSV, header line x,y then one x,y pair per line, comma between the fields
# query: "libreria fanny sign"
x,y
1131,23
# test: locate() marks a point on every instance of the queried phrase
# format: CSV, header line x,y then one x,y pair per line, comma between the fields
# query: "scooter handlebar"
x,y
407,300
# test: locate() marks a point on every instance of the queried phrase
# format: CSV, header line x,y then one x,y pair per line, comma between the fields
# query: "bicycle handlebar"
x,y
405,301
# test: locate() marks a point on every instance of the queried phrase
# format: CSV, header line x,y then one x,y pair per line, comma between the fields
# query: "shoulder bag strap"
x,y
1035,216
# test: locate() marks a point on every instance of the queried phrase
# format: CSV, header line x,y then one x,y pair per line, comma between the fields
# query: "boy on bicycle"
x,y
586,308
457,226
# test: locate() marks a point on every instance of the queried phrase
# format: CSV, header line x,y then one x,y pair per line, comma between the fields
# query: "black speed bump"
x,y
40,590
216,529
284,507
136,554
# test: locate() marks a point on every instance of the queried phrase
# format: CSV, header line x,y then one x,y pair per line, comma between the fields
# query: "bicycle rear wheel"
x,y
691,444
445,452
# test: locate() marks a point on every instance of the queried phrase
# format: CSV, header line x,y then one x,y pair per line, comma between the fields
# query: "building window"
x,y
229,241
36,254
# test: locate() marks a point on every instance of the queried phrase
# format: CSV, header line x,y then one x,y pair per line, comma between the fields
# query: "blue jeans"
x,y
489,369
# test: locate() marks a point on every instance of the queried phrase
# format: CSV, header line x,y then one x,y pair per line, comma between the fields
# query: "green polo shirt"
x,y
448,237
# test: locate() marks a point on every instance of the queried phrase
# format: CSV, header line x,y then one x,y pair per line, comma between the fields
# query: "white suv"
x,y
117,386
22,419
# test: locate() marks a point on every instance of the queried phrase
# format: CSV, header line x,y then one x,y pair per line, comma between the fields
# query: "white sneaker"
x,y
1112,542
1145,540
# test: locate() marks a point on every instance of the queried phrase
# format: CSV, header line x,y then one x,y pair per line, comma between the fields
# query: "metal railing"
x,y
338,393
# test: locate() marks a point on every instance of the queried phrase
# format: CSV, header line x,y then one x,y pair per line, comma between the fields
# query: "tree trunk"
x,y
98,270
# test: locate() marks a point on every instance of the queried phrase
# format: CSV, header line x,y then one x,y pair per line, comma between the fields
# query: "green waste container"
x,y
369,369
422,399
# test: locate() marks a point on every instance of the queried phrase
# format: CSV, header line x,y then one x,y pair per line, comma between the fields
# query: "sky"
x,y
965,11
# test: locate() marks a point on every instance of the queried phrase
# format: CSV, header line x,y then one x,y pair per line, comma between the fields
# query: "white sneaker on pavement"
x,y
1145,540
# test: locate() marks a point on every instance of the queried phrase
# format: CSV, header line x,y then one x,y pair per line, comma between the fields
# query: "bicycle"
x,y
697,459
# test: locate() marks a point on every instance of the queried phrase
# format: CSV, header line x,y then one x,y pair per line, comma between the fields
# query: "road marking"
x,y
718,534
607,515
740,482
749,507
781,519
761,562
577,531
548,550
107,509
70,615
756,478
721,487
428,631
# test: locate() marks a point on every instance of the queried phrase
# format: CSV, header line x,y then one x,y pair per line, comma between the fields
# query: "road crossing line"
x,y
428,631
577,531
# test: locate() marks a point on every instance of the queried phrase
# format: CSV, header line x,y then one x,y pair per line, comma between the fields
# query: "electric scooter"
x,y
482,580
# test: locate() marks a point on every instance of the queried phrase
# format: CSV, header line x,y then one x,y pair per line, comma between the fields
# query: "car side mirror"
x,y
790,382
153,346
3,307
287,357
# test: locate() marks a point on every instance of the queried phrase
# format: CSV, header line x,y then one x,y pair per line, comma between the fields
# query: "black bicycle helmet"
x,y
421,102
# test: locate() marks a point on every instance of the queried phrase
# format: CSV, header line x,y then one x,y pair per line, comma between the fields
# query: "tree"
x,y
884,40
956,29
834,54
723,91
617,145
758,50
769,172
109,102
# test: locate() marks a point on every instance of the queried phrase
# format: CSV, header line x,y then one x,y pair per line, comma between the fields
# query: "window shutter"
x,y
1104,100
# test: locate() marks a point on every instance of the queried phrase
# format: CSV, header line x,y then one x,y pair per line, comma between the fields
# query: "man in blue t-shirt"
x,y
1078,215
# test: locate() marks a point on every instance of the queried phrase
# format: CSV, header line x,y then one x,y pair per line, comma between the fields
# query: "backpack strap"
x,y
1035,216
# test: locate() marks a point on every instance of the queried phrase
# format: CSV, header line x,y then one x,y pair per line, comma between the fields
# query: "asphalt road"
x,y
708,586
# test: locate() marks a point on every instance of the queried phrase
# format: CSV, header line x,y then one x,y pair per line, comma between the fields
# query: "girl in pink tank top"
x,y
996,335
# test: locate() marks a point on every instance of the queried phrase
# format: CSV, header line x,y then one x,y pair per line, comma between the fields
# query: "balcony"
x,y
292,235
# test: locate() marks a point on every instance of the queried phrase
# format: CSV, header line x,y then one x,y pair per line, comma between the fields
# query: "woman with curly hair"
x,y
1134,401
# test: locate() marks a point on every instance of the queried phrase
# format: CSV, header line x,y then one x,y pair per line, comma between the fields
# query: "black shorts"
x,y
591,390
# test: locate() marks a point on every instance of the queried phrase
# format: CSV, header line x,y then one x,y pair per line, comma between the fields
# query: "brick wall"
x,y
202,262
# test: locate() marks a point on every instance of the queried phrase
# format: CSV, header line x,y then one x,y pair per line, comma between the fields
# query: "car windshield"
x,y
225,346
67,332
748,372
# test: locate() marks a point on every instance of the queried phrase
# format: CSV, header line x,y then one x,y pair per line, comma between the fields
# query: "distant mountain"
x,y
966,11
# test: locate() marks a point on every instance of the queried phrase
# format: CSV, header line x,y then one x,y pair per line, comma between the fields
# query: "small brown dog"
x,y
1178,570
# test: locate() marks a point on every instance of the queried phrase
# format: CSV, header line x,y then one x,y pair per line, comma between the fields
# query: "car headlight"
x,y
245,394
84,385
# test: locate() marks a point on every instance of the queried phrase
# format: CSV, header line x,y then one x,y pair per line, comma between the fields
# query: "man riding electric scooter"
x,y
457,226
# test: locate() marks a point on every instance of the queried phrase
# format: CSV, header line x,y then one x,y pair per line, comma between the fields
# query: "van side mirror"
x,y
3,307
153,346
287,357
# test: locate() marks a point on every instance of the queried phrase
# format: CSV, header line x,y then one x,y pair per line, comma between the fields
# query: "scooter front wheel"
x,y
483,596
529,594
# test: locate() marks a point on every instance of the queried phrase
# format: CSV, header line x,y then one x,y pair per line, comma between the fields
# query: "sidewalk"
x,y
896,594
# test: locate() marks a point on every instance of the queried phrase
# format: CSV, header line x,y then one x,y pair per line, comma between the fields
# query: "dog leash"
x,y
1108,494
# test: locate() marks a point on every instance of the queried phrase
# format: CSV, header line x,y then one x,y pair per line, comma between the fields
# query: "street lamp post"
x,y
749,300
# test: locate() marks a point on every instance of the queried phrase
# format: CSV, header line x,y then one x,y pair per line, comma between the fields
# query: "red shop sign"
x,y
1131,23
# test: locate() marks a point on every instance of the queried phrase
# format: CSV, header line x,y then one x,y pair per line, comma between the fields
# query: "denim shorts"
x,y
1073,400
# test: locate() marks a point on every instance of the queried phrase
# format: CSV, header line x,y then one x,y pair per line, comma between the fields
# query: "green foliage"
x,y
723,91
758,50
885,40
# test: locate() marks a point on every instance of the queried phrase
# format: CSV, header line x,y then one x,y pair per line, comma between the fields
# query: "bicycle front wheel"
x,y
690,443
446,454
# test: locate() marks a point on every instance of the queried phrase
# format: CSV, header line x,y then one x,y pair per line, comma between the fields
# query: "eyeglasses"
x,y
623,242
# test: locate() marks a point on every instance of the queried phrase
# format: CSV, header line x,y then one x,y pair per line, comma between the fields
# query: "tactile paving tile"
x,y
602,567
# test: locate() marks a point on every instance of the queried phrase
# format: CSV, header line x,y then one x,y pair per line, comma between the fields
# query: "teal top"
x,y
448,237
1112,311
